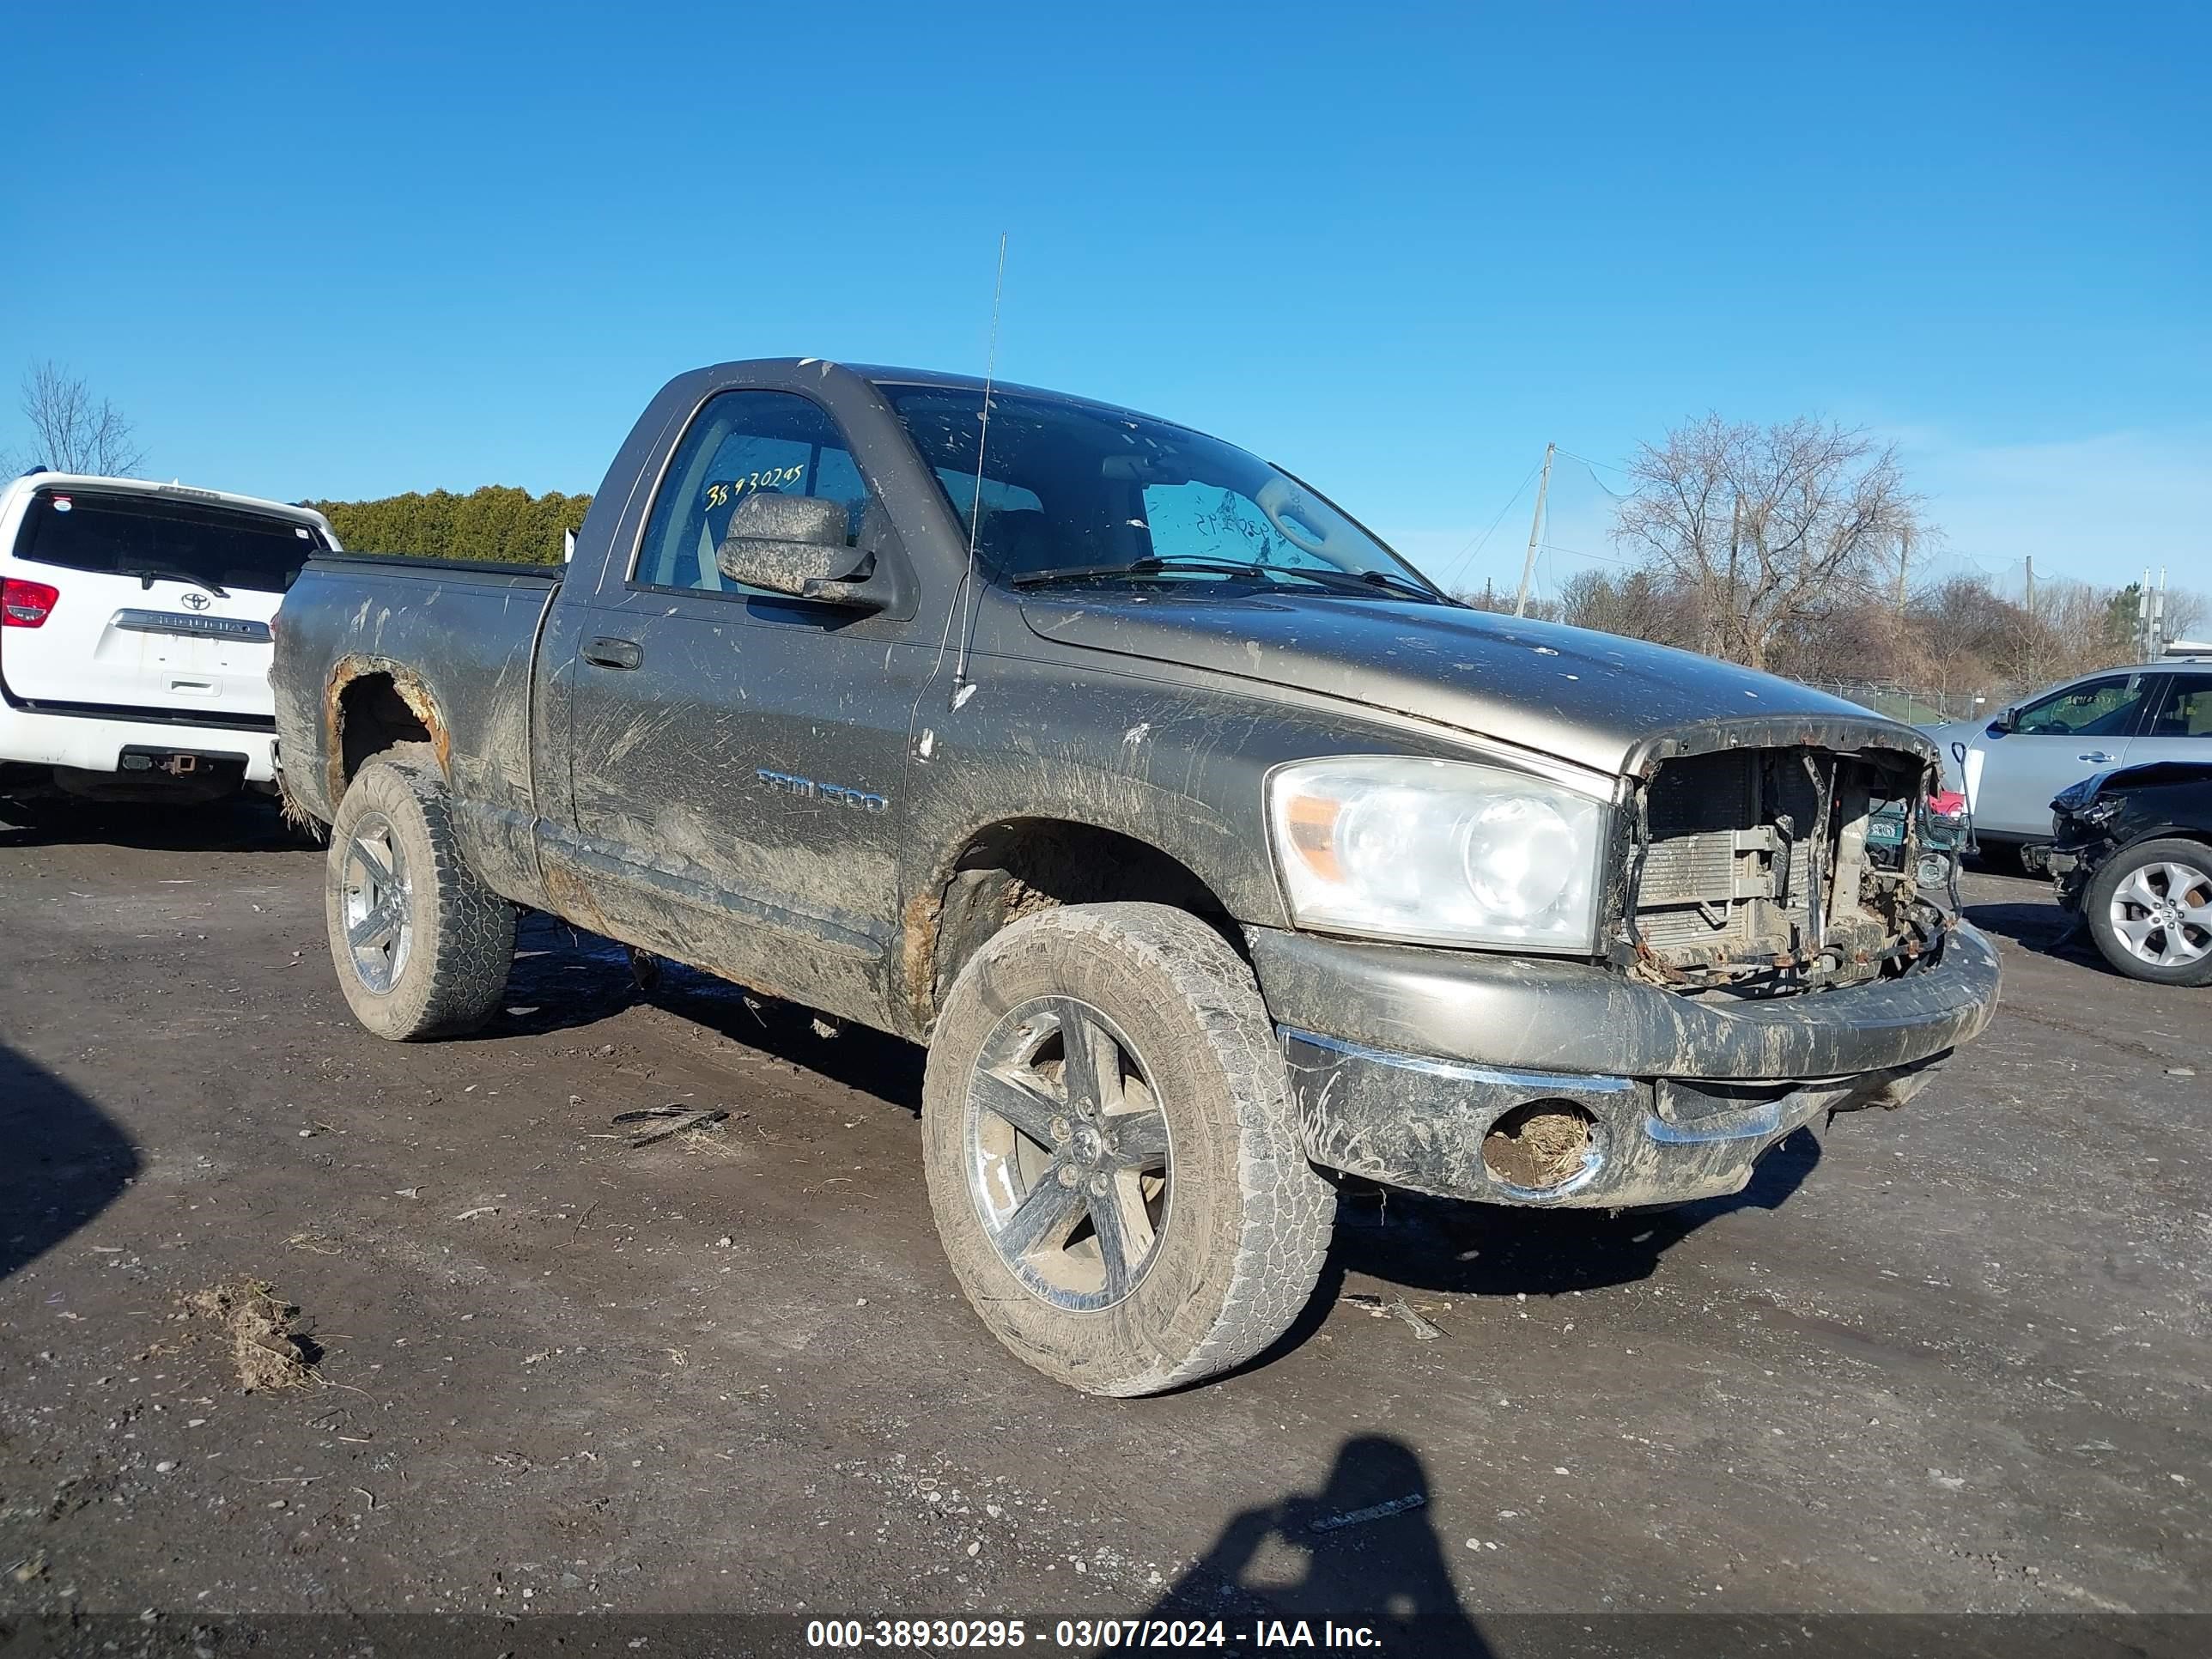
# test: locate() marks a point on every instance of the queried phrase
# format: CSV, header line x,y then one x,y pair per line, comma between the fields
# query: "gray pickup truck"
x,y
1209,847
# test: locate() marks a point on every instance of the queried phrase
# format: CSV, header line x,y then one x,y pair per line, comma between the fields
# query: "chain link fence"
x,y
1915,705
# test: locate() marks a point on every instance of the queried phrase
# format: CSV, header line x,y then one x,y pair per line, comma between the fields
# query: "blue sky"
x,y
1397,249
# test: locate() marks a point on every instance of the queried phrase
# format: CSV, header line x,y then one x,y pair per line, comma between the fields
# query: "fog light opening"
x,y
1540,1145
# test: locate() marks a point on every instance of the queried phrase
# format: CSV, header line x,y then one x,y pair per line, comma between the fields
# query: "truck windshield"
x,y
1073,491
160,538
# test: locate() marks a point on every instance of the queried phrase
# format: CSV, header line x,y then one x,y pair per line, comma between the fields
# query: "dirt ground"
x,y
1951,1359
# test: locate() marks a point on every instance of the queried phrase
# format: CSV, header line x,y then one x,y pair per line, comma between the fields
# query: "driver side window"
x,y
742,443
2095,708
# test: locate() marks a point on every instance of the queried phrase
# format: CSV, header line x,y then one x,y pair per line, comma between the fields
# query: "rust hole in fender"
x,y
370,704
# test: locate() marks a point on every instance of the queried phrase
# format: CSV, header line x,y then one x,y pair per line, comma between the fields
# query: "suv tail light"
x,y
26,605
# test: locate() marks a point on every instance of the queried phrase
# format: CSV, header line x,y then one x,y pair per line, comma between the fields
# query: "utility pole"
x,y
1904,558
1535,530
2031,615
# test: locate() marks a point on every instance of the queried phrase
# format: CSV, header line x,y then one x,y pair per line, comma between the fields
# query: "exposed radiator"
x,y
1727,869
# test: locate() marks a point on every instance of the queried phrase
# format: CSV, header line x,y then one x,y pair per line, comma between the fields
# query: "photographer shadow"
x,y
1362,1552
63,1160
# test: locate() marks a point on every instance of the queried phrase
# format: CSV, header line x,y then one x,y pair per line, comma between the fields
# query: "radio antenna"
x,y
962,603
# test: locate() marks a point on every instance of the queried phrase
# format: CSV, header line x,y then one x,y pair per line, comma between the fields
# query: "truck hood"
x,y
1611,704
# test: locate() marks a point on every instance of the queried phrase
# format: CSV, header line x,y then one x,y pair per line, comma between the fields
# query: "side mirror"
x,y
794,544
2003,723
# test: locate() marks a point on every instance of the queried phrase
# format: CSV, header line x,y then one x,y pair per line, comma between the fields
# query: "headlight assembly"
x,y
1437,852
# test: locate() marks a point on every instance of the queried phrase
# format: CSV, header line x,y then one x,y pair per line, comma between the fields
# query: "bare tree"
x,y
1637,603
2184,613
70,431
1772,528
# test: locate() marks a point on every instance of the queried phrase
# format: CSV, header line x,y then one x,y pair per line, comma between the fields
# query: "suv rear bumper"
x,y
1404,1060
94,743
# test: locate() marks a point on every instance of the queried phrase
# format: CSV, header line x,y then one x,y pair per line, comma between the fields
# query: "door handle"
x,y
613,653
2097,755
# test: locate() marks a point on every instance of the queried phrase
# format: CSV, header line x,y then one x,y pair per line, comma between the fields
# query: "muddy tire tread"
x,y
1286,1209
466,937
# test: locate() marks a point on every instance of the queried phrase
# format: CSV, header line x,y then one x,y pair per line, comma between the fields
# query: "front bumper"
x,y
2071,864
1405,1061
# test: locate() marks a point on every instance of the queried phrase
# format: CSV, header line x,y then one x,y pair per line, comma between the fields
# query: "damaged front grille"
x,y
1748,871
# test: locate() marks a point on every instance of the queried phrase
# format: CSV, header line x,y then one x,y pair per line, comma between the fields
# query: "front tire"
x,y
1113,1154
2150,911
422,947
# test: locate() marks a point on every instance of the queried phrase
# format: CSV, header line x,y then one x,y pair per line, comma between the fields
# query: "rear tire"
x,y
2149,909
422,947
1147,1218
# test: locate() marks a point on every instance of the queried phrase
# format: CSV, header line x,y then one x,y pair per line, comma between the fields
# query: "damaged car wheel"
x,y
1113,1154
422,947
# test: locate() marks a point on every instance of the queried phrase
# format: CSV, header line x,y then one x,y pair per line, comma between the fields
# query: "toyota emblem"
x,y
197,601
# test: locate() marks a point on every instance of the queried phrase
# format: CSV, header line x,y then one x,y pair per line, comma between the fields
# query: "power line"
x,y
1550,586
1591,467
1579,553
1472,547
1476,543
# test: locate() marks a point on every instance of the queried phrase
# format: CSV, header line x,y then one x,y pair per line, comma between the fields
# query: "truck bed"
x,y
376,649
408,564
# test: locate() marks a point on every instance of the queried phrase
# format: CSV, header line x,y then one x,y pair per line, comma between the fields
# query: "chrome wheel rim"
x,y
2162,915
1070,1161
378,903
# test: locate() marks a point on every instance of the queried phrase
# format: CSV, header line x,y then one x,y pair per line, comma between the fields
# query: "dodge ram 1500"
x,y
1209,847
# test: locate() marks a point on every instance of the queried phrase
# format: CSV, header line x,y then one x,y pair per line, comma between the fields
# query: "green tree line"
x,y
497,522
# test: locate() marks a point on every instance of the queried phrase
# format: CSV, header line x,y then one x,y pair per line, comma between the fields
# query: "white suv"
x,y
135,636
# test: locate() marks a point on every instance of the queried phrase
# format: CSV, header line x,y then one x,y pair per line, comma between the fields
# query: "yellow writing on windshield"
x,y
773,477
